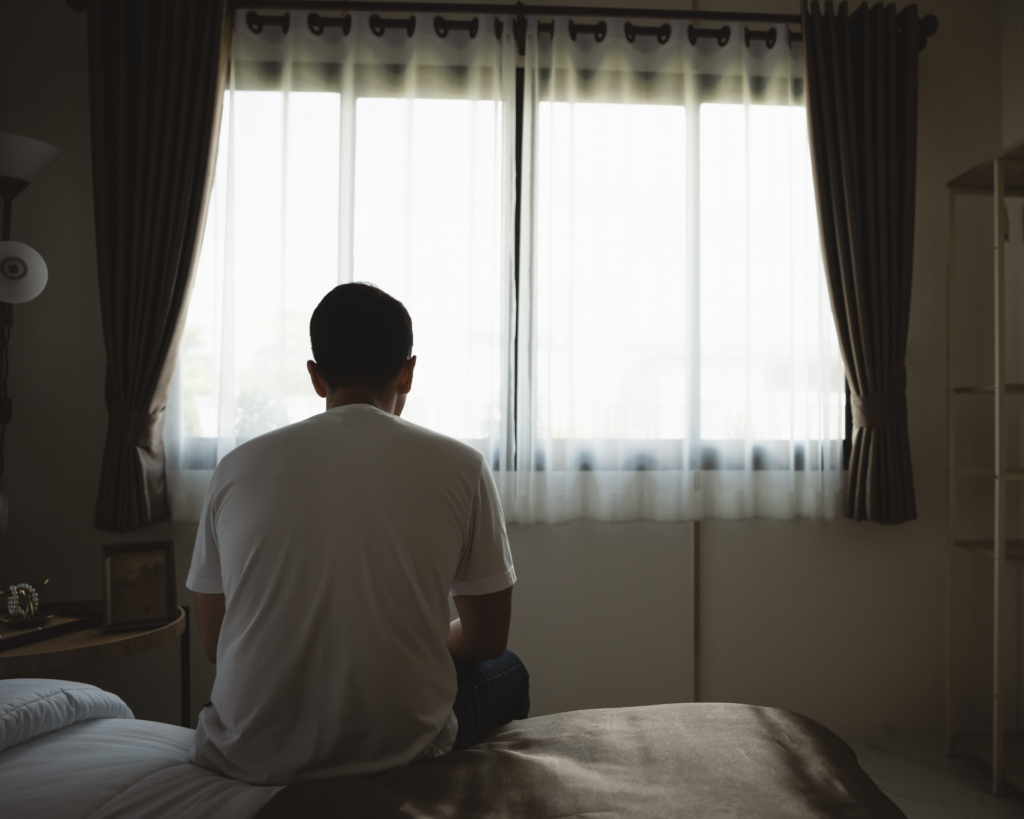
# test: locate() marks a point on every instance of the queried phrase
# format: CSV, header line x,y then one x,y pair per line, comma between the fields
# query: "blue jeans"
x,y
490,694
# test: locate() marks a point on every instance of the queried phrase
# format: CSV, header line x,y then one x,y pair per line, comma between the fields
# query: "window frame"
x,y
709,455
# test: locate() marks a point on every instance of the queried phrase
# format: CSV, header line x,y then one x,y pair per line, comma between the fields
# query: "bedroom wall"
x,y
839,621
1012,65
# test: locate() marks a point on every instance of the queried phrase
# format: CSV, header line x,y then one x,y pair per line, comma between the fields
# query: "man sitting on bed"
x,y
325,555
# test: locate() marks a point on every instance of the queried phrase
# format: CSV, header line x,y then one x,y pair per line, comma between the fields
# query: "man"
x,y
322,568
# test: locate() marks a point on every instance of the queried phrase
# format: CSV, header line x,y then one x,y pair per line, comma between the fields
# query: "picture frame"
x,y
139,587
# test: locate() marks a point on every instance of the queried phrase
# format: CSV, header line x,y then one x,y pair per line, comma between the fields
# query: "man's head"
x,y
362,345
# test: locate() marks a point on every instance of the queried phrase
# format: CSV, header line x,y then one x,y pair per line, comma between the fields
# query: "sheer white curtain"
x,y
355,152
677,354
667,351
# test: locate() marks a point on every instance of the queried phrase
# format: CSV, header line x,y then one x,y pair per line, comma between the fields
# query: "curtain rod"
x,y
929,23
512,9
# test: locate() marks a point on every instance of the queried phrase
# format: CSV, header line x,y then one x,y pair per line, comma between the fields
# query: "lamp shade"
x,y
23,157
23,273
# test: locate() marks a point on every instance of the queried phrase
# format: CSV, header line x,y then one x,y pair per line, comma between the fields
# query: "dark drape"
x,y
862,115
156,74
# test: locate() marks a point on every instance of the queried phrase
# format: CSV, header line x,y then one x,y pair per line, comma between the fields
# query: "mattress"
x,y
72,751
690,760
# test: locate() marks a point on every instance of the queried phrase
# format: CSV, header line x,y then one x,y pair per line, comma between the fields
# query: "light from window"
x,y
611,290
765,324
426,229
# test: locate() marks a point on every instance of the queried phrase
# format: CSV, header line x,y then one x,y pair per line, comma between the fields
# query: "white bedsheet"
x,y
118,769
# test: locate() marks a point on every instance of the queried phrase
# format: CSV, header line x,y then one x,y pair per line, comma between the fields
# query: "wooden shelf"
x,y
979,745
1014,548
989,389
979,179
997,179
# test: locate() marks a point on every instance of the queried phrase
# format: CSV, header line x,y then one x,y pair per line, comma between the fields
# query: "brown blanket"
x,y
700,760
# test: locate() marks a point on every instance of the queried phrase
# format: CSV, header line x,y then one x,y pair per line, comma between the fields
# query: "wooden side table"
x,y
91,645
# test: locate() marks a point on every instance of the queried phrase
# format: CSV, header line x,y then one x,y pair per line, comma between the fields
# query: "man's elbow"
x,y
211,653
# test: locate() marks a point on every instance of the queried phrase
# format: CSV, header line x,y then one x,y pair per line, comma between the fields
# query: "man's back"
x,y
335,541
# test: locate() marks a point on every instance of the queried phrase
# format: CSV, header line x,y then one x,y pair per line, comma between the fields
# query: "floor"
x,y
926,784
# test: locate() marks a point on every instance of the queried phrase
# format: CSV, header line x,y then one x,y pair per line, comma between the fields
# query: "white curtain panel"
x,y
668,352
677,354
348,156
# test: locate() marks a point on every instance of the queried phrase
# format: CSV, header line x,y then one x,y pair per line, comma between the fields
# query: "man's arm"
x,y
481,632
210,615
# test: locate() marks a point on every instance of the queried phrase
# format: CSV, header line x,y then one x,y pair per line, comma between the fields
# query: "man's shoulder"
x,y
316,431
259,448
450,449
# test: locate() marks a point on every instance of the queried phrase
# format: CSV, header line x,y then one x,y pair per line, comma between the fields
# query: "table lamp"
x,y
23,272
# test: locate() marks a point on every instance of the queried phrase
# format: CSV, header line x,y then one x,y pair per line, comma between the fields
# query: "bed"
x,y
72,750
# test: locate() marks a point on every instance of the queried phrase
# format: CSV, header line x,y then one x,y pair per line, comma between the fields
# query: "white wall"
x,y
840,621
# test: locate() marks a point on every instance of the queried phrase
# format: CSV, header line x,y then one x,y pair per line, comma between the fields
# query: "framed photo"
x,y
138,585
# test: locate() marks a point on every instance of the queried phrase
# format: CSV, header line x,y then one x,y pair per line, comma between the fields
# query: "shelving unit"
x,y
1003,751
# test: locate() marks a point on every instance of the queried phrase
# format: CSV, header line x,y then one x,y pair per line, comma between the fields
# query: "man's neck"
x,y
344,396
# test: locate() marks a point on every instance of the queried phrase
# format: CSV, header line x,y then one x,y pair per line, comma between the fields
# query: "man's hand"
x,y
481,632
210,615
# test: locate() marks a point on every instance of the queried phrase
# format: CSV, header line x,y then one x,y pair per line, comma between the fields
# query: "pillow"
x,y
29,708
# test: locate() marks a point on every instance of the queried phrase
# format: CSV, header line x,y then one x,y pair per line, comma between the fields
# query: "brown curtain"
x,y
862,115
156,75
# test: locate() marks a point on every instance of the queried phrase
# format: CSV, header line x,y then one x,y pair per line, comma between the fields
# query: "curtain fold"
x,y
862,119
676,354
156,75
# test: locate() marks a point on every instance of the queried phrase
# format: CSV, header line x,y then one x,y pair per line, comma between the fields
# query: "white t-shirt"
x,y
336,541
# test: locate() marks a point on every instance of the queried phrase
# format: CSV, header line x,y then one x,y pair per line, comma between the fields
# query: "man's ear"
x,y
318,380
405,376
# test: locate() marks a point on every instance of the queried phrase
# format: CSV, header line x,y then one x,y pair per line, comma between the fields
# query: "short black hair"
x,y
360,336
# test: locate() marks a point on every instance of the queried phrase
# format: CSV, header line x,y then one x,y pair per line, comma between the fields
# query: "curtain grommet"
x,y
317,24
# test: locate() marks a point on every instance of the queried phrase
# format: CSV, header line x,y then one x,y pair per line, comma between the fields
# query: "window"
x,y
635,326
611,235
764,333
428,231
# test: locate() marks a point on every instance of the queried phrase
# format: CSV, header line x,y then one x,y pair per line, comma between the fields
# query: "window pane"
x,y
426,221
269,255
765,326
428,231
611,287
